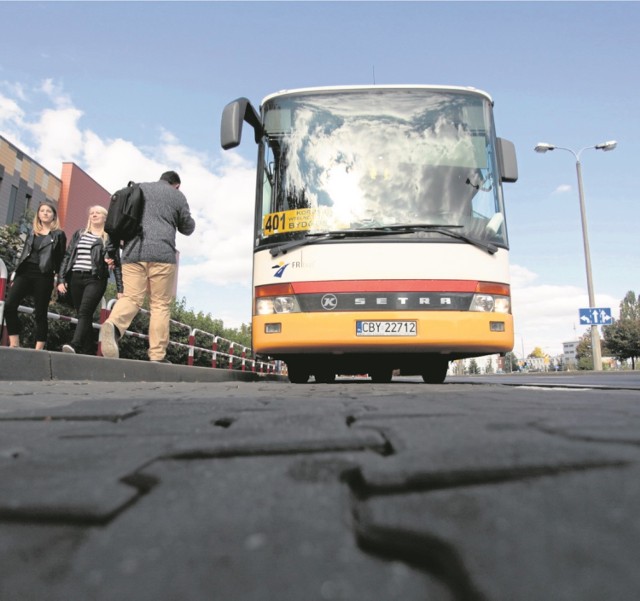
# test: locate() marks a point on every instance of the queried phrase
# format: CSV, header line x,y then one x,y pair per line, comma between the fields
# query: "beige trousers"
x,y
158,280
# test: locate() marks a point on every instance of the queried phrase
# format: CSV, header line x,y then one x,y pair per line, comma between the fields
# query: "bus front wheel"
x,y
381,375
298,374
325,376
435,372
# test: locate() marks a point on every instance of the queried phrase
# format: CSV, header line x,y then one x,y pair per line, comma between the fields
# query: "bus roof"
x,y
303,91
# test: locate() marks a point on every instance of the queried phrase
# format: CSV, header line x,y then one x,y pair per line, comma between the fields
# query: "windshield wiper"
x,y
383,230
446,230
312,238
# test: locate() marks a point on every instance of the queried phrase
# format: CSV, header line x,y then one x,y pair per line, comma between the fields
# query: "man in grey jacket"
x,y
149,265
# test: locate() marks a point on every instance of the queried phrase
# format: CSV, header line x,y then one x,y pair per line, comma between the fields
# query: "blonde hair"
x,y
102,210
37,224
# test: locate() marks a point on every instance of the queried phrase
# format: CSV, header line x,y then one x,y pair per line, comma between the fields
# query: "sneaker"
x,y
68,348
108,340
159,360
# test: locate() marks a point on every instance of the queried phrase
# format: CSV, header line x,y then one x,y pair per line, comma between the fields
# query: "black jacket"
x,y
51,251
99,252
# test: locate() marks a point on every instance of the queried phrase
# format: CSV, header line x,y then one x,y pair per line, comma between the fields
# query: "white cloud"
x,y
521,276
56,94
547,315
563,189
113,163
17,90
10,111
11,119
58,136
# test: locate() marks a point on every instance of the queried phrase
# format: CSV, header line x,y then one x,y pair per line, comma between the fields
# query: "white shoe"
x,y
108,343
67,348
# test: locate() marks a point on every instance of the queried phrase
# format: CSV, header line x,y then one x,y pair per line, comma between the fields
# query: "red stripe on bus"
x,y
385,286
337,286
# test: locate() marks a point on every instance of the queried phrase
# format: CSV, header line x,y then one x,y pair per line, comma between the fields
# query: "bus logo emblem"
x,y
329,302
280,269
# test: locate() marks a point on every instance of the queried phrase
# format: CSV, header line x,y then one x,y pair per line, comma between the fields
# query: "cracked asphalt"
x,y
264,491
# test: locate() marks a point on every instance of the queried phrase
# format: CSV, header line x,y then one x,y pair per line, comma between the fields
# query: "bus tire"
x,y
435,372
325,376
298,374
381,375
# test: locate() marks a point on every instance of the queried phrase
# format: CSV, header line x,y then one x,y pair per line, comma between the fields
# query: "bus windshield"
x,y
403,162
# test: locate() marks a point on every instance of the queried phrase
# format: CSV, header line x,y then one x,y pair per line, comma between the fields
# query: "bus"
x,y
380,242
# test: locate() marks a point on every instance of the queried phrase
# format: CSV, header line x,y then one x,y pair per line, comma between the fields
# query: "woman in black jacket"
x,y
34,274
84,273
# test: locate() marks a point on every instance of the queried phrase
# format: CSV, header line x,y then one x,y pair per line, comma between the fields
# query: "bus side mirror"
x,y
507,160
233,115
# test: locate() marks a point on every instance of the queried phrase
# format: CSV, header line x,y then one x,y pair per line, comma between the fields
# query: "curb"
x,y
32,365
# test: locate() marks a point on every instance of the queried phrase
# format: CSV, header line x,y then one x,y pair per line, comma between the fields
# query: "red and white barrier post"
x,y
4,277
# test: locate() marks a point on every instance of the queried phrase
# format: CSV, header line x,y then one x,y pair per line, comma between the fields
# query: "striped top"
x,y
83,255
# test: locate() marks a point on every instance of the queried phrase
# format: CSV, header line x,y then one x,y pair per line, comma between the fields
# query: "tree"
x,y
510,362
623,335
12,237
584,352
538,353
630,306
473,367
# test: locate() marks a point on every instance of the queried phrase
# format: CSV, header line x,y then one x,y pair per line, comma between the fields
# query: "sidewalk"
x,y
31,365
264,491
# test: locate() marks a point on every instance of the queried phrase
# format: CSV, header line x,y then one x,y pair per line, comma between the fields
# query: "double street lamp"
x,y
606,146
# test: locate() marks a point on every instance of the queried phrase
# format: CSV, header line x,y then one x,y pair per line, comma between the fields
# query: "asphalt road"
x,y
618,380
243,488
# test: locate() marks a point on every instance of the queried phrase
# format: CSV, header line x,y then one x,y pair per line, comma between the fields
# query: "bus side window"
x,y
267,191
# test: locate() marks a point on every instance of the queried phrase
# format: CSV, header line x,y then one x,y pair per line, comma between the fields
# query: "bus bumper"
x,y
458,334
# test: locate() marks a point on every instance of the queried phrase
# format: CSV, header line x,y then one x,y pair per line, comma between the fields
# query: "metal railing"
x,y
224,353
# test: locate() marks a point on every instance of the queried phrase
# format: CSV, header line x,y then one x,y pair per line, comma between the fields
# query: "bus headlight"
x,y
502,304
277,304
481,302
490,303
285,304
264,306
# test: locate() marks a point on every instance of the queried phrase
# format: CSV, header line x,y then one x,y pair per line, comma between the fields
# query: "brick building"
x,y
24,184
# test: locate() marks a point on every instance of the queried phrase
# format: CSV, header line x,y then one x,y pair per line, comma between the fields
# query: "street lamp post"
x,y
605,146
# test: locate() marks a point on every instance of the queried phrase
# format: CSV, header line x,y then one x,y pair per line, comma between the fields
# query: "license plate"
x,y
386,328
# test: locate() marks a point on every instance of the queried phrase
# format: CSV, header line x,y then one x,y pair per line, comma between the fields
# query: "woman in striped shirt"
x,y
85,272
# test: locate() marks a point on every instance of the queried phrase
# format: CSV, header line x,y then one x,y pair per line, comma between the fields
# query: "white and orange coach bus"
x,y
380,231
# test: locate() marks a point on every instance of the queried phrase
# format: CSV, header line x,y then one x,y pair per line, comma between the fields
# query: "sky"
x,y
127,90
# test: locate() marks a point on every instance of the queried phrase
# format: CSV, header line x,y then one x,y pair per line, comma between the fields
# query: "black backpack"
x,y
124,218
